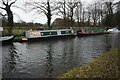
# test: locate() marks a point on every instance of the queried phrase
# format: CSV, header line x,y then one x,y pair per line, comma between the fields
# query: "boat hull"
x,y
92,31
50,38
88,34
8,40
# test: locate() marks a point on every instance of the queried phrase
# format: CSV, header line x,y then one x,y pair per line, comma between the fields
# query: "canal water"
x,y
52,57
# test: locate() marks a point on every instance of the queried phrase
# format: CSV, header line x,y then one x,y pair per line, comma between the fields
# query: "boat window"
x,y
70,32
49,33
65,32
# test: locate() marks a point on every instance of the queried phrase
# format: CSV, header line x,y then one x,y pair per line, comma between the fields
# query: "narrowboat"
x,y
5,39
91,32
38,34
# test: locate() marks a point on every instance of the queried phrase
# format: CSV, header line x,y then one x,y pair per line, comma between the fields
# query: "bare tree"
x,y
83,15
117,14
62,10
78,12
109,13
43,7
71,5
101,14
67,9
49,13
88,19
7,8
95,13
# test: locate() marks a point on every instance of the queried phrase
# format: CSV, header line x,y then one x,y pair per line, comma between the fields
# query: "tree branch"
x,y
19,8
7,2
4,3
2,8
12,3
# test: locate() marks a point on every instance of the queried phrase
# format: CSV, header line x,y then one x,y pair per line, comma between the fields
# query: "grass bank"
x,y
16,32
105,66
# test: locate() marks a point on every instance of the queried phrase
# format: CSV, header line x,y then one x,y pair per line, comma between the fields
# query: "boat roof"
x,y
52,30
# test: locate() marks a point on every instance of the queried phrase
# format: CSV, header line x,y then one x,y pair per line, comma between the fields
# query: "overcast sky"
x,y
29,17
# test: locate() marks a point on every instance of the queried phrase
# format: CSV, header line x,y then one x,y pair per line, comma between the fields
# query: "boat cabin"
x,y
48,33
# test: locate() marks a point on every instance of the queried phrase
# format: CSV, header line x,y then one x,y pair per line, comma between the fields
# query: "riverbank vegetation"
x,y
105,66
16,32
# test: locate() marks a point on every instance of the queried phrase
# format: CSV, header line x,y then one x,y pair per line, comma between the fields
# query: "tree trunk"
x,y
49,15
64,13
10,22
71,16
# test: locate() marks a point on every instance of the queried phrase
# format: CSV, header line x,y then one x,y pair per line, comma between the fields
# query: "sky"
x,y
29,17
19,14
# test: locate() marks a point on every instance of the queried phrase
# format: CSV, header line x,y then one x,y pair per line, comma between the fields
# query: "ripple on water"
x,y
51,58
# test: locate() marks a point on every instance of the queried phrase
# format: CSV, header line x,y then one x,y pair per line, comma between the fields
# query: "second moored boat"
x,y
91,31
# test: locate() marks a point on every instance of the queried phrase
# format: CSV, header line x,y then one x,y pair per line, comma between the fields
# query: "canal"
x,y
52,57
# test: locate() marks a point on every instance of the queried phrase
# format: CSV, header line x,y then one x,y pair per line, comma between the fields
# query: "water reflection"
x,y
10,61
114,40
12,58
67,52
52,57
49,61
0,54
